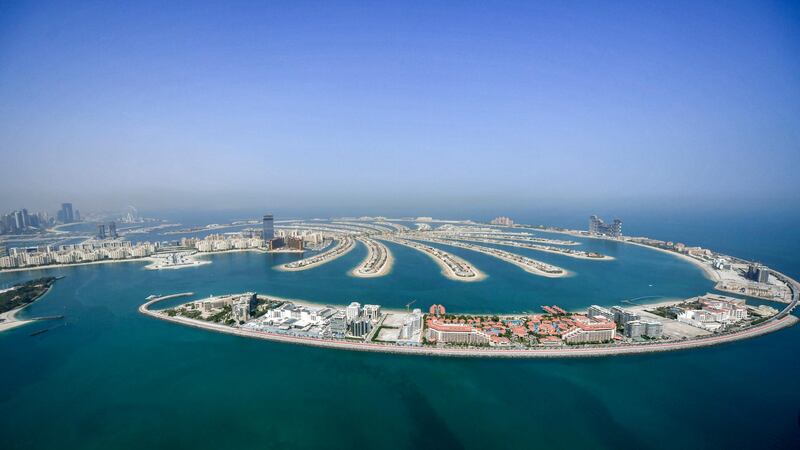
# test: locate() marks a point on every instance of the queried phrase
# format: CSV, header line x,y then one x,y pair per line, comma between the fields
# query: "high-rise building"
x,y
276,243
269,227
112,230
372,312
33,220
242,308
337,326
759,273
66,214
585,333
639,328
654,329
616,228
597,226
502,220
623,316
412,325
360,327
599,311
18,222
635,329
294,243
353,311
101,231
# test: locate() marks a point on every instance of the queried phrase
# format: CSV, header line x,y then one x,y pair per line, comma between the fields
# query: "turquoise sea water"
x,y
107,377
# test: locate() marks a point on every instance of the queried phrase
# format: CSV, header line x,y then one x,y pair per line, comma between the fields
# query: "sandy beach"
x,y
708,271
10,320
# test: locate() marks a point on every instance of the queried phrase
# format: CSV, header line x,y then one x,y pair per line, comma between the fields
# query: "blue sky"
x,y
493,104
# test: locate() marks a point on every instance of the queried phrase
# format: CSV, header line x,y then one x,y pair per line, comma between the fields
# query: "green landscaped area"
x,y
22,294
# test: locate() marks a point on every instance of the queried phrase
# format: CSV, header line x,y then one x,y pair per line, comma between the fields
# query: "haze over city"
x,y
245,105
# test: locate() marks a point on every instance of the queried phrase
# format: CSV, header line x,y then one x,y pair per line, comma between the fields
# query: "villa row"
x,y
45,255
528,264
491,233
454,266
343,245
542,248
377,260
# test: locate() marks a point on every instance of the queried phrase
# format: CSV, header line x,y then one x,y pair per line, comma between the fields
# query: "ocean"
x,y
108,377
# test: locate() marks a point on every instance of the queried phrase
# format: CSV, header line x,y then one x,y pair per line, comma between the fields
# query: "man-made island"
x,y
694,322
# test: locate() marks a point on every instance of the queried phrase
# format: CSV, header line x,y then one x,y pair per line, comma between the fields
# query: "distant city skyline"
x,y
308,105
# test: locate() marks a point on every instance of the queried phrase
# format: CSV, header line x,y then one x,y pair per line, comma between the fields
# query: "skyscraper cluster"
x,y
112,230
65,214
21,221
502,220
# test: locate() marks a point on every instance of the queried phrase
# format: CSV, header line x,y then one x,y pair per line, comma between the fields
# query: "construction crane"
x,y
408,305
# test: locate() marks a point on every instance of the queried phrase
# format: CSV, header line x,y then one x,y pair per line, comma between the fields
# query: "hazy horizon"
x,y
388,107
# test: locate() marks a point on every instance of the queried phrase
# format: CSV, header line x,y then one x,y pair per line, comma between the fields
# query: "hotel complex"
x,y
598,227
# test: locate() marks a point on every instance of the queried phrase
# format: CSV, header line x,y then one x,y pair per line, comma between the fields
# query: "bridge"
x,y
794,286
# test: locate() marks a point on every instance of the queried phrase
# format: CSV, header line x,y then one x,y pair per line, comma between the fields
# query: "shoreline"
x,y
574,352
87,263
708,271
